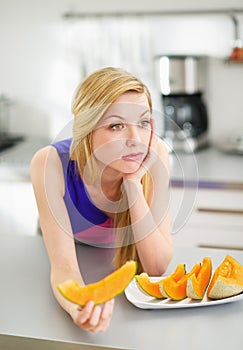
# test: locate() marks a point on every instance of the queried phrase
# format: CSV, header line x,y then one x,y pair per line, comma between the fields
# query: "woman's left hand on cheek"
x,y
147,163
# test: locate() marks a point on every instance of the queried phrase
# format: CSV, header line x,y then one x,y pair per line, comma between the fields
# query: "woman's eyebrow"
x,y
123,118
145,112
113,116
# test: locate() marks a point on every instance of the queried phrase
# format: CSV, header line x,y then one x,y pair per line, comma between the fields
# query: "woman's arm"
x,y
151,221
48,183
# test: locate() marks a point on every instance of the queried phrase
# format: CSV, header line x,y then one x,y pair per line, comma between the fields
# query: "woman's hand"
x,y
149,160
94,318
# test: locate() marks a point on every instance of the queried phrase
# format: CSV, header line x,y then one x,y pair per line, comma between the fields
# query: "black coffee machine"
x,y
182,81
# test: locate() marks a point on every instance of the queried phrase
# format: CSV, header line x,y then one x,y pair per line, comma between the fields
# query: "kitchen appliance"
x,y
182,84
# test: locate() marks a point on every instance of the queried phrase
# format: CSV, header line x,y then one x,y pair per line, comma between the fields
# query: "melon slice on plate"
x,y
227,279
175,288
149,287
197,285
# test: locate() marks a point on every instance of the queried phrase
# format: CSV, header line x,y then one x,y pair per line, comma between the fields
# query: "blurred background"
x,y
47,47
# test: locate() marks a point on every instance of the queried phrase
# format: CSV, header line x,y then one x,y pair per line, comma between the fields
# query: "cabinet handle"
x,y
219,246
221,211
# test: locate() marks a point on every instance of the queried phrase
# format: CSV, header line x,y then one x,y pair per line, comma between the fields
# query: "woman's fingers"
x,y
105,316
152,154
83,314
94,318
107,309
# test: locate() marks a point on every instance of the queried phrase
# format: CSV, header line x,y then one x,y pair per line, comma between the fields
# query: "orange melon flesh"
x,y
176,289
151,288
197,285
179,273
227,279
101,291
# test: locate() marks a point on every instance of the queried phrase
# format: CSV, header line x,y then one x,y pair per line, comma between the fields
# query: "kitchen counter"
x,y
210,167
15,161
31,318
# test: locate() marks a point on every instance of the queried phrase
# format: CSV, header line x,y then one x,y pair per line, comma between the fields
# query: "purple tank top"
x,y
89,224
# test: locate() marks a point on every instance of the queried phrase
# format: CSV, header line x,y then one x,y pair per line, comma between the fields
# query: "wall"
x,y
39,74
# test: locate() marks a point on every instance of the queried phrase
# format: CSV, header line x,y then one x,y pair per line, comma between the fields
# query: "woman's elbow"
x,y
162,267
159,268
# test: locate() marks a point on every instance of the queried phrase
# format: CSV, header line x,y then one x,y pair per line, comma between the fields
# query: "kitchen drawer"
x,y
219,209
210,237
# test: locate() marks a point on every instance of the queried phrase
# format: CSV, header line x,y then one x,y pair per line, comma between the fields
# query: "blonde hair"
x,y
93,97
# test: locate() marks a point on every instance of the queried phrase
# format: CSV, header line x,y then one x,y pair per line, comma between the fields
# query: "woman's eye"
x,y
117,126
145,123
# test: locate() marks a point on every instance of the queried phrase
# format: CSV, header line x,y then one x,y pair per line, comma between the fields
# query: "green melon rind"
x,y
105,285
162,290
222,290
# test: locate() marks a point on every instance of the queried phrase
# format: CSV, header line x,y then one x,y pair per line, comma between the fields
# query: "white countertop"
x,y
29,310
15,161
209,166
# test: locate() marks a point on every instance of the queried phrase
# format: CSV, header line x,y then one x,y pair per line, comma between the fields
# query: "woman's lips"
x,y
133,157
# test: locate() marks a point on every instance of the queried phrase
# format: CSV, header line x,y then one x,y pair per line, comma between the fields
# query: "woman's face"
x,y
121,138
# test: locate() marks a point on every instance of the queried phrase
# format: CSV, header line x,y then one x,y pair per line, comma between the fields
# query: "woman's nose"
x,y
133,137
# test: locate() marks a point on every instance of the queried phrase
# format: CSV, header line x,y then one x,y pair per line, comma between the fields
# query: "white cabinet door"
x,y
213,218
18,210
208,237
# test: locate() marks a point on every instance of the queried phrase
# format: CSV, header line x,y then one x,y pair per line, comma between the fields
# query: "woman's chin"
x,y
131,168
125,167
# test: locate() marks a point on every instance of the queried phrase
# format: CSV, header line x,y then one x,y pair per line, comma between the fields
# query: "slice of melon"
x,y
101,291
227,279
149,287
197,285
175,289
178,273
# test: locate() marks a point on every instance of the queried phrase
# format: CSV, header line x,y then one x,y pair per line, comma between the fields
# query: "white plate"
x,y
140,299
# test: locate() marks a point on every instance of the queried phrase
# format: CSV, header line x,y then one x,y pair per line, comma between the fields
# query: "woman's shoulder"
x,y
45,164
40,157
46,156
42,154
52,152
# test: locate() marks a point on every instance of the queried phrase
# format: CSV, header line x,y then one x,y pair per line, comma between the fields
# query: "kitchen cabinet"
x,y
206,199
215,218
18,211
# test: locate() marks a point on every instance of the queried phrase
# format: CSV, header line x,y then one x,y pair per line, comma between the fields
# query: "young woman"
x,y
106,186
